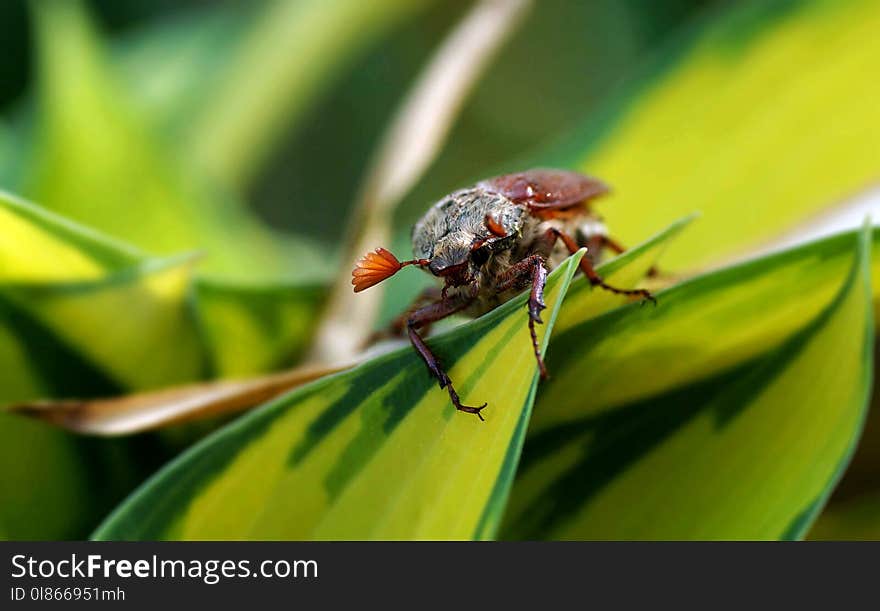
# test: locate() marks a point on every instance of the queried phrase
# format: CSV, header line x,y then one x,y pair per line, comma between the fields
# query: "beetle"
x,y
490,241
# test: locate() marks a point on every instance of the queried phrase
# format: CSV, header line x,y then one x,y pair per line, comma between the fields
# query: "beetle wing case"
x,y
546,188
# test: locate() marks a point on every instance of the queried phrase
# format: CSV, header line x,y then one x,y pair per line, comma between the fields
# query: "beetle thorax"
x,y
448,231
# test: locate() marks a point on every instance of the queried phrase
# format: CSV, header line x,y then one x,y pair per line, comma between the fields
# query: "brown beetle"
x,y
490,241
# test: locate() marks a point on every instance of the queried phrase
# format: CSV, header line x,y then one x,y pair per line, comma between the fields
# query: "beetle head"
x,y
455,239
460,256
462,232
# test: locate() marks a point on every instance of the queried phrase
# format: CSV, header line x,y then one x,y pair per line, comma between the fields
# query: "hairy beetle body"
x,y
489,241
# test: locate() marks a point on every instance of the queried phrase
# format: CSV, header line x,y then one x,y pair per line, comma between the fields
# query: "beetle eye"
x,y
480,256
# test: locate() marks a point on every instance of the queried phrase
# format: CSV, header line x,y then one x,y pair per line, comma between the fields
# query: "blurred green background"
x,y
162,104
549,76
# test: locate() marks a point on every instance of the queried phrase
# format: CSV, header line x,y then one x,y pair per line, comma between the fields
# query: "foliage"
x,y
134,256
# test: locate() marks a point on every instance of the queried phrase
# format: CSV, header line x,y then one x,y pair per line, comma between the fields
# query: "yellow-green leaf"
x,y
53,483
764,301
729,411
854,510
626,271
762,115
251,329
73,304
135,328
375,452
81,315
38,246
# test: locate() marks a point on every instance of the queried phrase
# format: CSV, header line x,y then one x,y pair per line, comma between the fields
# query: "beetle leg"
x,y
595,279
425,316
531,269
594,244
611,244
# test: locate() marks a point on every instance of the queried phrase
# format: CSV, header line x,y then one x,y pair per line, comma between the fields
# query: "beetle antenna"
x,y
378,265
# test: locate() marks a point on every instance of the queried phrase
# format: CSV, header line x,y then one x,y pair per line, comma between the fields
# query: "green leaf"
x,y
114,175
747,118
81,315
852,512
375,452
252,329
634,341
7,153
56,485
40,246
129,330
625,271
44,481
693,420
49,479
